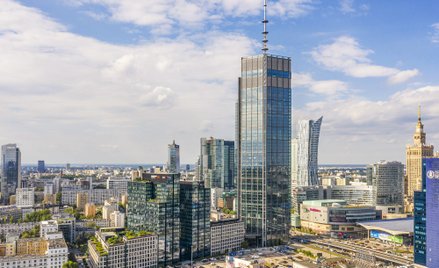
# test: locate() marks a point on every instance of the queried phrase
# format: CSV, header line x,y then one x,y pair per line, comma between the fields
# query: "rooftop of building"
x,y
114,236
49,222
393,227
267,54
57,243
325,202
191,182
225,221
156,177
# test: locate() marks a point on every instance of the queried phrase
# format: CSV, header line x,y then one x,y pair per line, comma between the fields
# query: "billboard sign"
x,y
386,237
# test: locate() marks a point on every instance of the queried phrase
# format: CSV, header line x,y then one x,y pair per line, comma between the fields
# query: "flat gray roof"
x,y
394,226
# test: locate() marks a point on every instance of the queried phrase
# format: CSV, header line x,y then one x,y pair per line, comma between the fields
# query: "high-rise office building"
x,y
211,169
229,165
294,164
173,158
263,147
388,184
432,211
305,154
10,171
420,228
217,163
154,206
194,220
41,166
414,154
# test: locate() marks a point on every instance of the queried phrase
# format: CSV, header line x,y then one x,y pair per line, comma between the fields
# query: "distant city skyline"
x,y
87,81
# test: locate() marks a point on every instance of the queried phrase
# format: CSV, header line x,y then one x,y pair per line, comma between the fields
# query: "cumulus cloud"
x,y
347,6
403,76
74,92
346,55
184,13
355,124
159,97
323,87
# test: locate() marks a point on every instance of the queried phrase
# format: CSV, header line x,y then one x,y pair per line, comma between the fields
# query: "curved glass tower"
x,y
305,155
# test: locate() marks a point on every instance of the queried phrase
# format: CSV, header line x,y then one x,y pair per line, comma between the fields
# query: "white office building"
x,y
119,183
48,227
25,197
226,236
109,207
114,250
117,219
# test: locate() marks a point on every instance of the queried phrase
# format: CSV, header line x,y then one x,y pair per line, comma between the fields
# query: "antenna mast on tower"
x,y
265,32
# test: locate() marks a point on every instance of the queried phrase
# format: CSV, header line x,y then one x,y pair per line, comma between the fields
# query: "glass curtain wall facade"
x,y
154,205
212,162
229,165
10,171
217,163
194,220
432,214
264,148
419,228
388,183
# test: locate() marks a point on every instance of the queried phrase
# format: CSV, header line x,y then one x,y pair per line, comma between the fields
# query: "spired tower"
x,y
414,155
264,146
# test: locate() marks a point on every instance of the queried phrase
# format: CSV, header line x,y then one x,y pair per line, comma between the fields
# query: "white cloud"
x,y
96,15
346,55
323,87
347,6
435,35
355,126
403,76
158,97
76,93
166,14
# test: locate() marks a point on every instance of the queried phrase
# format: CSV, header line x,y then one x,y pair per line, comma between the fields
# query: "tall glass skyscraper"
x,y
154,205
194,220
388,184
263,148
173,158
217,163
10,171
305,153
420,229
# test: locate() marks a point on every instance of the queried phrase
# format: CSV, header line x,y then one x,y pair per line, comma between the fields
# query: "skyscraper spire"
x,y
265,32
419,113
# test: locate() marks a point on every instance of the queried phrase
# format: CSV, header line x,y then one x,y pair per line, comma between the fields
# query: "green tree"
x,y
70,264
40,215
34,232
58,198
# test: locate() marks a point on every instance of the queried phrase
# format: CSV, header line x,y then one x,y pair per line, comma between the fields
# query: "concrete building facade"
x,y
226,236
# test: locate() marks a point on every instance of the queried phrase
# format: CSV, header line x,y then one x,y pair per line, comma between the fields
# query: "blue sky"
x,y
100,81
